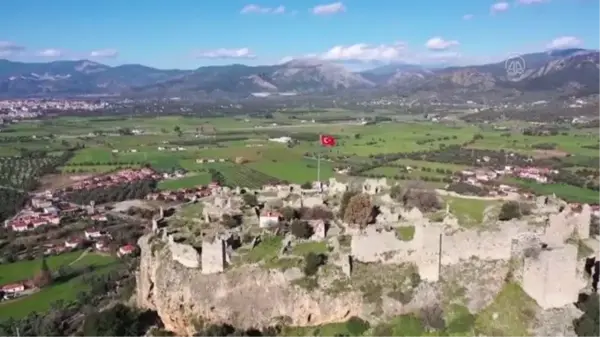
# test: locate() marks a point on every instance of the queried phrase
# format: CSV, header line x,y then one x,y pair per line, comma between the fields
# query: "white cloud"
x,y
437,43
467,16
8,48
329,9
223,53
499,7
51,52
285,59
564,42
365,52
368,54
256,9
104,53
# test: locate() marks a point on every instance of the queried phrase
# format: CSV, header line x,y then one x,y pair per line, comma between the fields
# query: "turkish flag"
x,y
327,140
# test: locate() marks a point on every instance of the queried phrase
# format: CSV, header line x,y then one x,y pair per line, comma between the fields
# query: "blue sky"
x,y
192,33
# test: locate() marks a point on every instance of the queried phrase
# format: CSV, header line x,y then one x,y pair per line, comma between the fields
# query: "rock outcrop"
x,y
245,297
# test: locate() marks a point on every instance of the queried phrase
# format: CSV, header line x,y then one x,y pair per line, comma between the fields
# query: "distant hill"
x,y
569,71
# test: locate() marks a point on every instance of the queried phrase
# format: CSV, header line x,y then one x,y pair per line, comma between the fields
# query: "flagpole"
x,y
319,167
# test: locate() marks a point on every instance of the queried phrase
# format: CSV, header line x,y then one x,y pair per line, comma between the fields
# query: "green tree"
x,y
312,262
588,323
512,210
116,321
250,199
44,276
301,229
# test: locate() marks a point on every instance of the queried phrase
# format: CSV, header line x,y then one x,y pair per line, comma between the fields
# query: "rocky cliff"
x,y
246,296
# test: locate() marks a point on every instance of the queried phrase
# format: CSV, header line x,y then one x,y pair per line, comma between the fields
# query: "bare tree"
x,y
359,210
416,194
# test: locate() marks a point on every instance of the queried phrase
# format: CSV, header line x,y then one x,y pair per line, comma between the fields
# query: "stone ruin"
x,y
545,261
221,204
214,256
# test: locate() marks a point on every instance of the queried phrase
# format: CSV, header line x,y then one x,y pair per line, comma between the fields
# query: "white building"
x,y
269,219
282,140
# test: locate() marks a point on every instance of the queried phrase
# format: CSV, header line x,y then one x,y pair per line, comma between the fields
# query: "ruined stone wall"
x,y
564,225
486,245
551,278
383,246
213,256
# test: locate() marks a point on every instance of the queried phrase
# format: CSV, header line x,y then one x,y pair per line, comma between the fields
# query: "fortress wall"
x,y
428,261
534,278
492,245
559,228
373,246
385,247
582,222
213,257
551,278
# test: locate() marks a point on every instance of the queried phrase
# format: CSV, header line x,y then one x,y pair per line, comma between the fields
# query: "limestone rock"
x,y
244,297
185,254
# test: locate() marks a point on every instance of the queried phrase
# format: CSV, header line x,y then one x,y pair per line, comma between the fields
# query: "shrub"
x,y
357,326
513,210
231,221
312,262
544,146
301,229
587,324
288,213
316,213
359,210
116,321
432,317
250,199
306,186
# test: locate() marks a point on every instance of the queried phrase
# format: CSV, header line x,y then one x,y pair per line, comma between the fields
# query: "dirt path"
x,y
85,252
510,196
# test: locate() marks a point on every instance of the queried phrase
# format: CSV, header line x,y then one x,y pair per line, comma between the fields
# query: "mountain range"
x,y
563,72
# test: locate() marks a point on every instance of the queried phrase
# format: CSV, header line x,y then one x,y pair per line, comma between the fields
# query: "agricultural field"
x,y
66,290
18,172
177,142
192,180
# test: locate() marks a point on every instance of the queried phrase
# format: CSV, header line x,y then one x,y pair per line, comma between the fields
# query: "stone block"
x,y
186,255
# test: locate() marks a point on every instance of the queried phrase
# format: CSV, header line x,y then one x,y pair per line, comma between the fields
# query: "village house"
x,y
40,203
31,220
54,249
72,243
101,246
99,217
12,289
269,219
92,234
117,178
126,250
533,173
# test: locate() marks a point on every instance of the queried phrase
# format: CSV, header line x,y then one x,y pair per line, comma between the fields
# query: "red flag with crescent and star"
x,y
327,140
